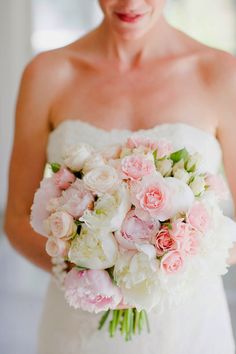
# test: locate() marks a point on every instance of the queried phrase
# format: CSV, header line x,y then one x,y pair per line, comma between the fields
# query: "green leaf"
x,y
55,167
179,155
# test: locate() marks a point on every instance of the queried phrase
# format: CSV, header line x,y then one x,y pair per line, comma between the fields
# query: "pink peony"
x,y
164,241
135,230
64,178
164,148
172,262
198,217
91,290
47,191
76,199
56,247
135,167
186,237
136,141
180,229
217,184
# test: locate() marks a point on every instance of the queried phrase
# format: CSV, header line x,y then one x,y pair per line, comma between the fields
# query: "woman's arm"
x,y
226,103
28,159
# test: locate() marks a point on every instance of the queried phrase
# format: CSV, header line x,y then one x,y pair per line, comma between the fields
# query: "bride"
x,y
134,72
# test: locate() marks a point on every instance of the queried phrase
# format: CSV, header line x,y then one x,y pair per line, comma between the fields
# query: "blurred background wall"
x,y
31,26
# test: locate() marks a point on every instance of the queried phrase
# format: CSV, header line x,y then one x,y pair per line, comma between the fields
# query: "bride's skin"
x,y
122,75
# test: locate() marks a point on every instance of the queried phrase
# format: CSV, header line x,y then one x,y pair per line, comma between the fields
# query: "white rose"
x,y
93,249
75,155
198,185
193,162
56,247
164,167
96,160
110,152
101,179
109,210
136,274
61,225
182,174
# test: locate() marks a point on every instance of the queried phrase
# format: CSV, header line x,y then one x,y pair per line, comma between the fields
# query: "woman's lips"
x,y
129,17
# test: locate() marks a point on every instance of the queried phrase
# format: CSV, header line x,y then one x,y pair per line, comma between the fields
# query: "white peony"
x,y
101,179
137,275
109,210
75,155
93,249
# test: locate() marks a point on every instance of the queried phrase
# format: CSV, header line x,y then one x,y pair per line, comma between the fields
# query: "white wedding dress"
x,y
200,326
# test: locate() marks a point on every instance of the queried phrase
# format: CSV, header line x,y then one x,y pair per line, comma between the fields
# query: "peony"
x,y
112,151
109,210
64,178
135,230
75,155
94,249
198,217
61,225
39,212
160,197
56,247
76,199
164,148
136,273
217,184
96,160
135,167
164,241
136,141
101,179
172,262
91,290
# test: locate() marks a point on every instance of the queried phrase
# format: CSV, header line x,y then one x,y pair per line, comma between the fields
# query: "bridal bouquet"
x,y
131,228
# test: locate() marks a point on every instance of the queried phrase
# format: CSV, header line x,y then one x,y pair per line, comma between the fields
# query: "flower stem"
x,y
103,319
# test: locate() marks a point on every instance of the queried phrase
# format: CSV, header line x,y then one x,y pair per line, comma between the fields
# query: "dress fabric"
x,y
201,325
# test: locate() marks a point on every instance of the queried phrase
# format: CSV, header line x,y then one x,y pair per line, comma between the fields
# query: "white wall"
x,y
14,53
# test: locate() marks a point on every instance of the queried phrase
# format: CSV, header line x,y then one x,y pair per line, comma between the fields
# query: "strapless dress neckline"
x,y
157,126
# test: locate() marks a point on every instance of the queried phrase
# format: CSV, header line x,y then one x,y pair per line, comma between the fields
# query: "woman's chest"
x,y
136,100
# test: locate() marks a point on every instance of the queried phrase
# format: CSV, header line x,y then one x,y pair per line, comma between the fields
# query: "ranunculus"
x,y
135,167
101,179
217,184
172,262
75,155
135,230
61,225
109,210
76,199
64,178
94,249
136,273
91,290
161,197
56,247
198,217
39,212
164,241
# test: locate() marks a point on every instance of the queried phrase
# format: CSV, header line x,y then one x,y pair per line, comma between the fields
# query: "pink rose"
x,y
172,262
136,141
164,241
217,184
56,247
136,166
135,230
39,212
151,195
164,148
62,225
64,178
76,199
91,290
198,217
